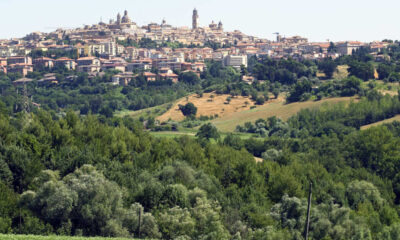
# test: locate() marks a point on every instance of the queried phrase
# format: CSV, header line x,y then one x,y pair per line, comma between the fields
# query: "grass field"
x,y
389,120
31,237
209,104
279,109
341,72
147,112
172,134
192,134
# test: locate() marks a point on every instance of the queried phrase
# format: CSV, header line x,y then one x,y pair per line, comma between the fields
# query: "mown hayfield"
x,y
32,237
277,108
342,72
389,120
210,104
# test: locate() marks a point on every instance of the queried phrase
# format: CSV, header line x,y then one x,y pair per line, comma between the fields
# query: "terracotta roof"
x,y
64,59
149,74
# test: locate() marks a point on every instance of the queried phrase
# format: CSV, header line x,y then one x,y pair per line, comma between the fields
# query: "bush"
x,y
260,100
188,110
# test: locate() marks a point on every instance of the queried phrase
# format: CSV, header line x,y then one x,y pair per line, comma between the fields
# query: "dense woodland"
x,y
84,176
94,174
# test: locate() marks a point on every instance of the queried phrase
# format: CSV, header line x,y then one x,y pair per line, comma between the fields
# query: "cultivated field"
x,y
209,104
276,108
32,237
389,120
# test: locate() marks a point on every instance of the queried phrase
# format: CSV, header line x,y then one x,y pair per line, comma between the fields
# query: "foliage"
x,y
208,131
97,176
188,110
327,66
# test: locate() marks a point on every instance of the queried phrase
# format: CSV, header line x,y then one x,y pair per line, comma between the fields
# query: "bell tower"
x,y
195,19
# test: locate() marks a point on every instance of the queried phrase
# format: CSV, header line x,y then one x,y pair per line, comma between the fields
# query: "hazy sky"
x,y
364,20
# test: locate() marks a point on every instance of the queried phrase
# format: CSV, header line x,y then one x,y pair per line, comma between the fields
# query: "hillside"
x,y
209,104
238,112
389,120
272,108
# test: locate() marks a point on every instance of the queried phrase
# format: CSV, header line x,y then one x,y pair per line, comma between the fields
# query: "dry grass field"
x,y
238,112
389,120
341,72
209,104
276,108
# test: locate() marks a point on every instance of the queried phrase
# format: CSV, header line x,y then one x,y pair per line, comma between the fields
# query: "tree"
x,y
394,77
85,196
332,48
351,86
363,70
106,111
189,78
233,141
176,222
188,110
208,131
384,71
328,66
276,92
260,100
299,89
243,70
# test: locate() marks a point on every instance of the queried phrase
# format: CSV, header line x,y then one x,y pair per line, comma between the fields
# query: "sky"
x,y
318,20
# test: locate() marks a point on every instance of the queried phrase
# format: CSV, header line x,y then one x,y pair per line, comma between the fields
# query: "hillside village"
x,y
159,51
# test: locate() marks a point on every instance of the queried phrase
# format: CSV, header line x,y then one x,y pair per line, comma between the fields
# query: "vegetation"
x,y
95,176
103,174
188,110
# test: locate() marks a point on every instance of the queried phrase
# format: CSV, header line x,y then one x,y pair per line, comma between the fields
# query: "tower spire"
x,y
195,19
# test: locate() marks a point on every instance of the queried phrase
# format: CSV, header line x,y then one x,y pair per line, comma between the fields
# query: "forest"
x,y
90,176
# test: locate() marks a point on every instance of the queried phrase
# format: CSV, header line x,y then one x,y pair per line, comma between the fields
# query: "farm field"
x,y
32,237
209,104
389,120
277,108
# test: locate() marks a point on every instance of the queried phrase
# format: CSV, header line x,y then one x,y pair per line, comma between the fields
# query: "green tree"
x,y
188,110
327,66
208,131
384,71
93,203
189,78
362,70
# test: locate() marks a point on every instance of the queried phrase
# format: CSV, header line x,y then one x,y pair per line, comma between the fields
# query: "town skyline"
x,y
143,14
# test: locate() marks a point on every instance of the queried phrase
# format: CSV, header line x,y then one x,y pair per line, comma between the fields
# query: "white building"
x,y
235,61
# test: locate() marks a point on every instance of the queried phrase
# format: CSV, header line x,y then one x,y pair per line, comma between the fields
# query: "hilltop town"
x,y
122,45
120,131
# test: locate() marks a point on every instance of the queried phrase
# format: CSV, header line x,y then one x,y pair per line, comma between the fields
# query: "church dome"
x,y
125,18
